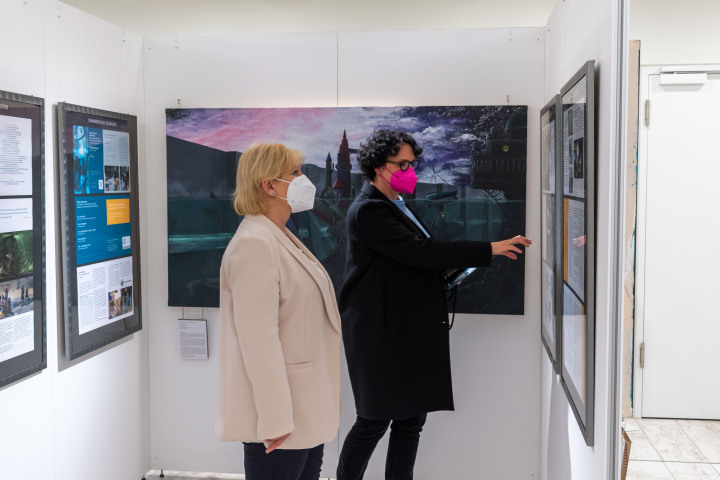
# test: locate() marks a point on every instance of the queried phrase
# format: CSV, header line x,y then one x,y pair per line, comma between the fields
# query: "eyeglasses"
x,y
404,165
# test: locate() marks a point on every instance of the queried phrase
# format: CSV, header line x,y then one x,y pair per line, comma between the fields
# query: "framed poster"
x,y
551,184
101,244
578,246
471,185
23,349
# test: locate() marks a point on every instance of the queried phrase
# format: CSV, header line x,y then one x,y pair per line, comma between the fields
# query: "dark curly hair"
x,y
381,145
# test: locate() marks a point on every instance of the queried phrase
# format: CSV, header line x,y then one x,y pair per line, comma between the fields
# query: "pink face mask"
x,y
403,182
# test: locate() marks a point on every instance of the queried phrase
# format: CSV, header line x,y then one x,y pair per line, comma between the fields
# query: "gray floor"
x,y
673,449
661,450
176,475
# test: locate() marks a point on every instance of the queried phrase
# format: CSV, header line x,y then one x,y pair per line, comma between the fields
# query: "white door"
x,y
681,334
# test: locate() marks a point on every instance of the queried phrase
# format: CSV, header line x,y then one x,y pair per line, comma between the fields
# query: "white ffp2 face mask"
x,y
300,194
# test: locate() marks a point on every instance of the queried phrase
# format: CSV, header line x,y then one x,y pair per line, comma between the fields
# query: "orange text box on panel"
x,y
118,211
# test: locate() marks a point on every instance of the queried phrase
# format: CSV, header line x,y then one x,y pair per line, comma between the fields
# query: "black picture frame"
x,y
578,172
99,202
22,204
551,205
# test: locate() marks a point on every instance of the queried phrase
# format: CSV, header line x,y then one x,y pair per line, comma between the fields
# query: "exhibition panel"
x,y
550,184
577,171
101,241
23,349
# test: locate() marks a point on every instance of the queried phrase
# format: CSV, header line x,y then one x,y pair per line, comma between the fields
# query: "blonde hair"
x,y
263,161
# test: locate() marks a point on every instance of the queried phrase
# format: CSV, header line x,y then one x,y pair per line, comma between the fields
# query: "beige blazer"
x,y
279,340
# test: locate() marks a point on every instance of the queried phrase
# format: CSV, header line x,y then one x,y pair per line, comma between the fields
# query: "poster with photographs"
x,y
578,246
550,145
22,237
99,202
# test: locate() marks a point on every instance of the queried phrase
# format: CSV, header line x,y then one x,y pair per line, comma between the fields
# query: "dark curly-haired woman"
x,y
394,312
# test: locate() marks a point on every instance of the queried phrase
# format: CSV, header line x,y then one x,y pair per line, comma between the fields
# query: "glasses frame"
x,y
405,164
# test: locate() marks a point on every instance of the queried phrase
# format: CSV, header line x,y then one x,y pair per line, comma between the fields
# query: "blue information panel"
x,y
103,229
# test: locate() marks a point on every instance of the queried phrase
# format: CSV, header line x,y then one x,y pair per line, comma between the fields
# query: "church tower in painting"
x,y
343,183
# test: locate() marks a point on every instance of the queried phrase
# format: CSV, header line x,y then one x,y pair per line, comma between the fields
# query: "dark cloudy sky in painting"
x,y
447,134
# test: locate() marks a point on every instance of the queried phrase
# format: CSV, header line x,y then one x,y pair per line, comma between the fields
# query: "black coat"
x,y
394,310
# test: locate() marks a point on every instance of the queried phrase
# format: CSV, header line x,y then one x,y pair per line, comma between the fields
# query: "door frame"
x,y
642,162
639,336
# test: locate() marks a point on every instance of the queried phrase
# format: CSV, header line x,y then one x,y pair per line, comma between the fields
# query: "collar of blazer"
x,y
298,250
374,194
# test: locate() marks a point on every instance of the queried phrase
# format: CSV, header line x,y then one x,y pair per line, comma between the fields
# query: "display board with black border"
x,y
550,185
98,162
23,349
577,171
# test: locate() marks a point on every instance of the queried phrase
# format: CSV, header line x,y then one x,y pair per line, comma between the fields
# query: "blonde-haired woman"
x,y
280,326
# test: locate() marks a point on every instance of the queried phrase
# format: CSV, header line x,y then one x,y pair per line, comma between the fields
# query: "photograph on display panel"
x,y
471,185
578,246
550,142
573,144
101,264
22,237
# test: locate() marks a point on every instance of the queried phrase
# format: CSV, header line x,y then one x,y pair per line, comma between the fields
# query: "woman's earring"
x,y
274,193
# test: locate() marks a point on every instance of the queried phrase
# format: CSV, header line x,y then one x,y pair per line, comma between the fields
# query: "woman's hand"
x,y
507,247
275,443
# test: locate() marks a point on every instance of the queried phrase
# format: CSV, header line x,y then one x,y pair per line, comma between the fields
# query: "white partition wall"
x,y
137,405
248,71
26,442
581,30
495,359
92,419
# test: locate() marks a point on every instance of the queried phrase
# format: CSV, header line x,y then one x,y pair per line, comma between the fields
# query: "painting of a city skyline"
x,y
471,185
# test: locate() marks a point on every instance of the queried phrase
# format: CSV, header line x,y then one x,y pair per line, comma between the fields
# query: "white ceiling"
x,y
226,17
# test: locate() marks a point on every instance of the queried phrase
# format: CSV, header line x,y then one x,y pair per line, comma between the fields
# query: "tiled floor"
x,y
673,449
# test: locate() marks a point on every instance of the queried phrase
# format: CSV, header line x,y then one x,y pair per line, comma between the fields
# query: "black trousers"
x,y
282,464
364,436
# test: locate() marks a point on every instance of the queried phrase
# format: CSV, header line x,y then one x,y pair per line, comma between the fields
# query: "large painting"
x,y
471,185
